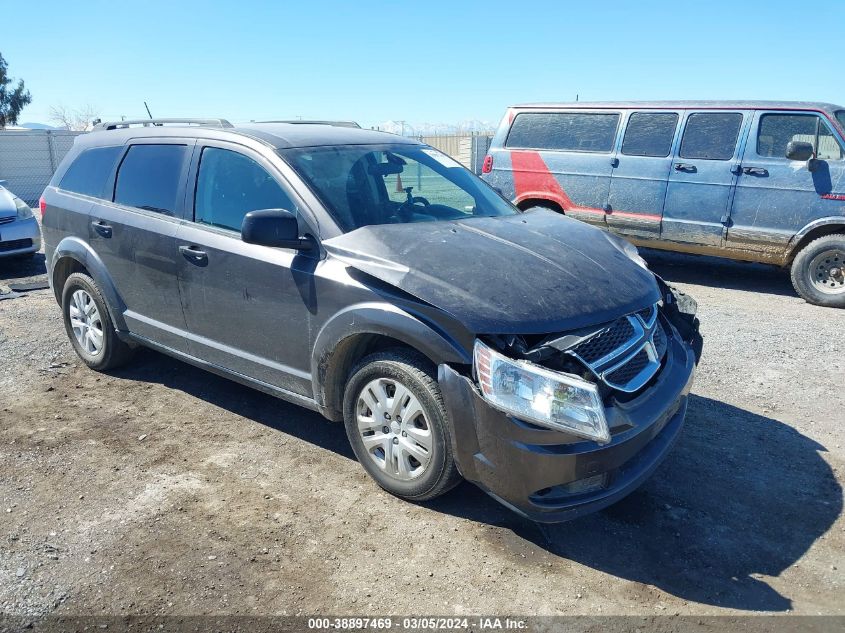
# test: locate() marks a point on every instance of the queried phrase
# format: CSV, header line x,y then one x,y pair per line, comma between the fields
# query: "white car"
x,y
19,232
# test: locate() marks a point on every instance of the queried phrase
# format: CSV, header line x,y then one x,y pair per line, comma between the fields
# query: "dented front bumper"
x,y
550,476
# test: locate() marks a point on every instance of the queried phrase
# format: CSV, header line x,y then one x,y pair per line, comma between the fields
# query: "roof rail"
x,y
307,122
120,125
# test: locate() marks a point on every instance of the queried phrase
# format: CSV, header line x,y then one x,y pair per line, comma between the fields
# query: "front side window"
x,y
776,131
149,177
90,171
840,116
230,185
650,134
362,185
711,135
564,131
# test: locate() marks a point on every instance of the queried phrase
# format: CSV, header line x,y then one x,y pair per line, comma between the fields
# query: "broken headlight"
x,y
552,399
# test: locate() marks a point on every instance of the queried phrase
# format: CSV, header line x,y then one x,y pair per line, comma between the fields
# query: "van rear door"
x,y
703,176
641,172
564,157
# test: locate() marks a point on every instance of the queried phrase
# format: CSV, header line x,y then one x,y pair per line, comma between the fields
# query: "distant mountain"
x,y
433,129
38,126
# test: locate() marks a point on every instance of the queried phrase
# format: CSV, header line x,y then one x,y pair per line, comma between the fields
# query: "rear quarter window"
x,y
565,131
90,170
149,177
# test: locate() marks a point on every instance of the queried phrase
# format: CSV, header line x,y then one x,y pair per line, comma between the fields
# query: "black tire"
x,y
416,374
811,282
113,352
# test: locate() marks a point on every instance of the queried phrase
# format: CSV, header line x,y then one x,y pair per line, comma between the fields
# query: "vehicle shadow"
x,y
741,495
703,270
12,269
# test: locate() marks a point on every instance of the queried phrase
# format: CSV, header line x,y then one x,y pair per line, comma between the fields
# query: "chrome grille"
x,y
605,341
627,353
629,370
8,219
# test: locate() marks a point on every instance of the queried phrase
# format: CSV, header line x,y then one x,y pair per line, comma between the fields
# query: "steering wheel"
x,y
407,209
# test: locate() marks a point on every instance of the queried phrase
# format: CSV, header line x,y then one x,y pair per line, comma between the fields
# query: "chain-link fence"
x,y
28,159
467,149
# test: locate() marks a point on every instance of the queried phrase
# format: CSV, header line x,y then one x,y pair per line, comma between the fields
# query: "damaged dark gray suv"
x,y
373,279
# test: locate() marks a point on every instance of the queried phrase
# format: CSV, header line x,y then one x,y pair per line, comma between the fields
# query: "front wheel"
x,y
397,425
818,271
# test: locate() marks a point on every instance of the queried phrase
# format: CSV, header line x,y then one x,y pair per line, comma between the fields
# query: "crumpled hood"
x,y
533,273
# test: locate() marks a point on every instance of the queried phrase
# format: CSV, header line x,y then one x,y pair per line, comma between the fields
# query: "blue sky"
x,y
422,61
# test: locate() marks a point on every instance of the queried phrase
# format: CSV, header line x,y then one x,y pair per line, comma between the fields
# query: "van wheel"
x,y
397,425
89,326
818,271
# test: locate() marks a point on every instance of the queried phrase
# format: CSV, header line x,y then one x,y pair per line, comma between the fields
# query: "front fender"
x,y
832,220
79,251
328,371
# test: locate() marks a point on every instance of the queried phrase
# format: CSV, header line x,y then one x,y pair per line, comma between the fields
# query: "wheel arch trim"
x,y
81,252
378,319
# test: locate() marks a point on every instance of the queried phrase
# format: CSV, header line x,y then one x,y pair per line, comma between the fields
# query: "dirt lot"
x,y
161,489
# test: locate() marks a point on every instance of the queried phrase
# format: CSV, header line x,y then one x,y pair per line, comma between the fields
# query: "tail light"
x,y
42,205
487,167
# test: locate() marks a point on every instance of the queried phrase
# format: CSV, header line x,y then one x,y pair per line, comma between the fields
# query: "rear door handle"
x,y
193,254
755,171
102,228
685,167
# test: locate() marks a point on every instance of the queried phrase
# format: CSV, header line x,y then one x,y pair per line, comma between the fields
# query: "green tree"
x,y
13,98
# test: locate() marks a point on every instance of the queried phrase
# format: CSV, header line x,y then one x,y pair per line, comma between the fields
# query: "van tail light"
x,y
42,205
487,167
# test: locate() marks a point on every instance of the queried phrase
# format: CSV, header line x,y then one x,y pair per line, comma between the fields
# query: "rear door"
x,y
247,306
641,173
134,231
703,177
566,157
776,197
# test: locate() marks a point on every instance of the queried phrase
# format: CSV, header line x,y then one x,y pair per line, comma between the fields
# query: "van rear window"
x,y
567,131
90,170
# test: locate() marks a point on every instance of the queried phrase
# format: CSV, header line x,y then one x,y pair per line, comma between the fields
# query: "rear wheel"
x,y
818,271
89,326
397,425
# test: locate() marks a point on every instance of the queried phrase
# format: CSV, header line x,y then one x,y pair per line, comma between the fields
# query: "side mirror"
x,y
799,150
273,227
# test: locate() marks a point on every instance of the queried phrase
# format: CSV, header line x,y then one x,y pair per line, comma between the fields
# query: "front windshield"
x,y
840,116
393,184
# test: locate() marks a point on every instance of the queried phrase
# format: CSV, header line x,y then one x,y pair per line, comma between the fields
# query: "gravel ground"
x,y
161,489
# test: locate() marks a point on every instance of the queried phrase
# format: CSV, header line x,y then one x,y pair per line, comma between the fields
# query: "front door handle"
x,y
102,228
755,171
193,254
685,167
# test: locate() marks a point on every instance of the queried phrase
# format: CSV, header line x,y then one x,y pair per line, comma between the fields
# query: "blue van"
x,y
754,181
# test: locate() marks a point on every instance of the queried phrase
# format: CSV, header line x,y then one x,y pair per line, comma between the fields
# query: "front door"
x,y
703,177
133,233
246,306
775,196
641,173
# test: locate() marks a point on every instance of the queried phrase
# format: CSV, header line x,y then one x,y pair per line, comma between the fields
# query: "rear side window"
x,y
230,185
90,171
568,131
776,131
149,177
711,135
650,134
